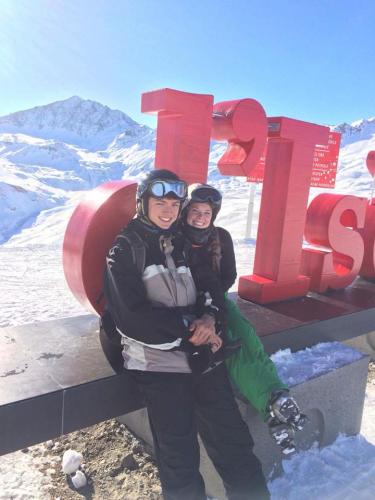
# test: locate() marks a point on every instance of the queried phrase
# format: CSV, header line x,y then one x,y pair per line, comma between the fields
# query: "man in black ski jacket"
x,y
155,311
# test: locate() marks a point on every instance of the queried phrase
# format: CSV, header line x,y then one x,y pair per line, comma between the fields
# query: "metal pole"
x,y
372,191
250,209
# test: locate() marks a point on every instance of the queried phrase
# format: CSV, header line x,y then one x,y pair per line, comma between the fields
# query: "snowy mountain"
x,y
84,123
360,130
48,152
51,152
357,140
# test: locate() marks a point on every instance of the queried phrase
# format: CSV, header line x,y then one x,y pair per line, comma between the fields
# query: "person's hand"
x,y
204,329
215,343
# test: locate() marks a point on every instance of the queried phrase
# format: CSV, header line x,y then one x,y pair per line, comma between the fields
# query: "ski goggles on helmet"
x,y
163,188
206,194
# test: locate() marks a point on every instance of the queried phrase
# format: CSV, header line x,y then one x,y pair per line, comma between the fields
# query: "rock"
x,y
57,447
79,480
121,478
129,462
49,444
116,470
137,448
71,461
148,467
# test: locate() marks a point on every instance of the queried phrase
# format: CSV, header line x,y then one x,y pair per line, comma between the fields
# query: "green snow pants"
x,y
250,368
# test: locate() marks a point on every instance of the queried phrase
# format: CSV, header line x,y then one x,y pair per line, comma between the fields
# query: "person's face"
x,y
163,211
199,215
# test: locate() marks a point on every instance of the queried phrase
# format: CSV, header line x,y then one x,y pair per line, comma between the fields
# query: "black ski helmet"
x,y
170,185
203,193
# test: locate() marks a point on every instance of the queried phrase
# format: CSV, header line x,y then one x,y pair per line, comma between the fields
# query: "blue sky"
x,y
307,59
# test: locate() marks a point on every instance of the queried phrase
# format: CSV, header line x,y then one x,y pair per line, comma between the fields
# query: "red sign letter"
x,y
90,233
368,234
243,124
183,132
370,162
286,184
331,220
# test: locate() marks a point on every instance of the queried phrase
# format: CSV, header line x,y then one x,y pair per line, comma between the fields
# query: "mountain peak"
x,y
75,99
74,120
359,130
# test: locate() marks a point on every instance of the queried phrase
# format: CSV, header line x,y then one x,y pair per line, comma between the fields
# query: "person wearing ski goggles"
x,y
212,247
153,302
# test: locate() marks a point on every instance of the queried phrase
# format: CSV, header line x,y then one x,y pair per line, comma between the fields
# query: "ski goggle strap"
x,y
163,188
206,194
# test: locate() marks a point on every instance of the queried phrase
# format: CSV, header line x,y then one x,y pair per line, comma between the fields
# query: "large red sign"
x,y
288,156
340,229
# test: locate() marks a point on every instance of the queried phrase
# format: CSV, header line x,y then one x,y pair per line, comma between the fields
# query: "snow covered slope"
x,y
360,130
357,140
49,152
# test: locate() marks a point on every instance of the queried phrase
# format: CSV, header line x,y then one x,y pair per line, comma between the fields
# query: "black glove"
x,y
201,358
228,348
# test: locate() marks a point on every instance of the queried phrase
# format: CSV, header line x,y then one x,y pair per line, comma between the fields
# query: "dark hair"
x,y
162,174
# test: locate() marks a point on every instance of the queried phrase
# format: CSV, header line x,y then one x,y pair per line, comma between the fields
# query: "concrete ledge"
x,y
364,343
54,379
333,402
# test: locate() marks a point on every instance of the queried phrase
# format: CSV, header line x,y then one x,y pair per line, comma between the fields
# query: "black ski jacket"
x,y
152,309
126,294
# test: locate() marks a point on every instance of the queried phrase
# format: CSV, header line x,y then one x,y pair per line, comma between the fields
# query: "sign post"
x,y
250,209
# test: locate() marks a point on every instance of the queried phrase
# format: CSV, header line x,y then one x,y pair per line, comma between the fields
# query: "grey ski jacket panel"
x,y
148,309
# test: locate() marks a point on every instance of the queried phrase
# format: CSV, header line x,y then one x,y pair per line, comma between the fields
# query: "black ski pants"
x,y
179,406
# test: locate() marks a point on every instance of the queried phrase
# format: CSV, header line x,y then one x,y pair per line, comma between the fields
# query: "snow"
x,y
295,368
79,479
358,130
49,156
343,471
71,461
368,422
20,478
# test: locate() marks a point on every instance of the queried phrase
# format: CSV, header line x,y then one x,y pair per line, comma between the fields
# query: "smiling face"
x,y
163,211
199,215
